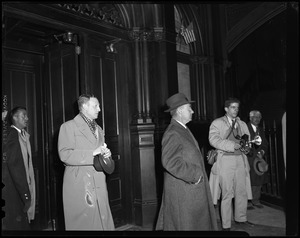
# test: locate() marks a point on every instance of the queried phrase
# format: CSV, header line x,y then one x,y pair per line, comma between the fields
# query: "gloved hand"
x,y
260,154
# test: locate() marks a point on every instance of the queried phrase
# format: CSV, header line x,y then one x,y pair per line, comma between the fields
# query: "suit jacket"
x,y
16,192
218,131
185,205
257,180
85,196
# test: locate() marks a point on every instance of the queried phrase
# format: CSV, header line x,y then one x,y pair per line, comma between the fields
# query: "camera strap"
x,y
231,130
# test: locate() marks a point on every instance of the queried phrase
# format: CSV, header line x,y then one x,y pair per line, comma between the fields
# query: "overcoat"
x,y
218,131
85,196
185,205
16,192
257,180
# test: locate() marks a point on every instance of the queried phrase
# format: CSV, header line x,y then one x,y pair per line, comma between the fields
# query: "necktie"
x,y
23,135
233,123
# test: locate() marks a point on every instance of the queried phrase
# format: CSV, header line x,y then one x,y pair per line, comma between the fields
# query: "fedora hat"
x,y
104,164
176,100
260,166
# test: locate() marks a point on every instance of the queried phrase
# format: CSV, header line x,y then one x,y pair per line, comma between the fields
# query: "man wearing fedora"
x,y
82,149
258,166
186,200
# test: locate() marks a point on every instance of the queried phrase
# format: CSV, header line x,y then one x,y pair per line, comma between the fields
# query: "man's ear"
x,y
226,109
84,106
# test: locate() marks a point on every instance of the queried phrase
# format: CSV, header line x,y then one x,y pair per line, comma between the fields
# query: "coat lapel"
x,y
252,133
84,129
191,135
187,132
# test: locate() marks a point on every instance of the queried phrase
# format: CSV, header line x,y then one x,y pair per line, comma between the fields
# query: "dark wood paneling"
x,y
110,124
62,92
103,84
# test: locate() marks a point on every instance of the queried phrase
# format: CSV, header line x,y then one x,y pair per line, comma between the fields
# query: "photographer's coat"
x,y
218,131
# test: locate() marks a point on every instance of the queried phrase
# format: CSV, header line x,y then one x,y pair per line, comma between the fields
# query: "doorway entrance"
x,y
44,76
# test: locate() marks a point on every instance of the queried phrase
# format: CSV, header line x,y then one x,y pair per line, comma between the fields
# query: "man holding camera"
x,y
230,173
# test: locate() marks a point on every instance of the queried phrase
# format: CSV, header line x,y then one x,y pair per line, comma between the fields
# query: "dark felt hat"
x,y
104,164
176,100
260,166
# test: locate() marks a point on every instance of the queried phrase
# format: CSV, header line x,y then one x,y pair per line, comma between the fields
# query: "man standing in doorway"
x,y
18,175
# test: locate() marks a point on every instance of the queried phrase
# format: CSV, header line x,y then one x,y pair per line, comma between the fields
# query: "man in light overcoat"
x,y
229,175
85,196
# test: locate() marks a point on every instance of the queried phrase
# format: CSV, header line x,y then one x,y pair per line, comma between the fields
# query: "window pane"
x,y
184,79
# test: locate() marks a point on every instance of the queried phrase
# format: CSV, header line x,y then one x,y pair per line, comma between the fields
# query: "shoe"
x,y
250,208
258,205
225,229
244,223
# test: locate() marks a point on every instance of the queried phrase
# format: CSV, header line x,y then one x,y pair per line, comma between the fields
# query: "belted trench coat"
x,y
85,196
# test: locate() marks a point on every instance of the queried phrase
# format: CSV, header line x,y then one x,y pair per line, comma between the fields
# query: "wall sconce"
x,y
67,37
110,45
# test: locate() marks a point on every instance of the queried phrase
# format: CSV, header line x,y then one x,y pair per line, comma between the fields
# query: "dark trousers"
x,y
256,191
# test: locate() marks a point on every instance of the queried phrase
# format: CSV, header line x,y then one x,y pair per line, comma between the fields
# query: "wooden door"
x,y
63,89
61,93
103,83
21,86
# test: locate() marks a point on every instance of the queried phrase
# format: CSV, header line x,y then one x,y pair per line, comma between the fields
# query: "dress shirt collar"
x,y
230,120
181,123
254,127
16,128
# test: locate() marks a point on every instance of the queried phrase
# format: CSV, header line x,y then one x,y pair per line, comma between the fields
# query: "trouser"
x,y
233,184
256,191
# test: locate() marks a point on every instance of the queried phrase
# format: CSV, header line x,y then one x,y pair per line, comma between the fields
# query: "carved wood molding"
x,y
197,59
142,34
94,11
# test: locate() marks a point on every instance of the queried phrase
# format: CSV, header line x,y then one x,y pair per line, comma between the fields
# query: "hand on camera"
x,y
237,146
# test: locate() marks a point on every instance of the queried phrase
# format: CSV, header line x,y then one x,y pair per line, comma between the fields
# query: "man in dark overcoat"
x,y
186,201
18,175
258,178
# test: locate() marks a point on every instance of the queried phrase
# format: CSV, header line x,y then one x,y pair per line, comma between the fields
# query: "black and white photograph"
x,y
149,118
